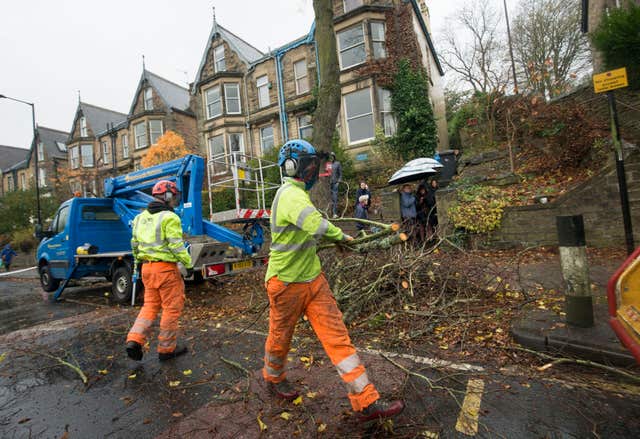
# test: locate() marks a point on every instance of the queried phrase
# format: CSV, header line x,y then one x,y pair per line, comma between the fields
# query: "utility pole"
x,y
513,63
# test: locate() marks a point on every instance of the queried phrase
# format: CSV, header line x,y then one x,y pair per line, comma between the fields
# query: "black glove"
x,y
189,272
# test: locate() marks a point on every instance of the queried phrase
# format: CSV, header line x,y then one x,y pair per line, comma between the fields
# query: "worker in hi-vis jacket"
x,y
157,244
296,286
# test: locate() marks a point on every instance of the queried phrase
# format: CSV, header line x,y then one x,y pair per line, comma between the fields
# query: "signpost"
x,y
607,82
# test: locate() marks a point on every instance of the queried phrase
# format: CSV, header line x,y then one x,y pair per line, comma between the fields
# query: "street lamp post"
x,y
35,144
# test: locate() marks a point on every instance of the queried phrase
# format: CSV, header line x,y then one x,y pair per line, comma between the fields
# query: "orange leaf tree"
x,y
170,146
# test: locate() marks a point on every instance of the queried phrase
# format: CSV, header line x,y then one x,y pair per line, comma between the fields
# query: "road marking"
x,y
9,273
470,411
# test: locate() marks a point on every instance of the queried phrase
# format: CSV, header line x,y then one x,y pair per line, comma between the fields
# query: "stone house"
x,y
105,143
51,157
249,101
11,158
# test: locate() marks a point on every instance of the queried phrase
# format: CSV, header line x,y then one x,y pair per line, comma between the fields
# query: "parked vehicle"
x,y
92,236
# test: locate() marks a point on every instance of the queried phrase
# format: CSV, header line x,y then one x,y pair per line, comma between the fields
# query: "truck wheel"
x,y
47,281
121,285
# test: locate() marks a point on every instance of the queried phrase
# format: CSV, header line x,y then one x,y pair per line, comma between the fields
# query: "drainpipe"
x,y
113,135
281,102
246,119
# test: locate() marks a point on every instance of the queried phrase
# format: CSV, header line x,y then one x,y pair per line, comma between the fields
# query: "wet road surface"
x,y
204,392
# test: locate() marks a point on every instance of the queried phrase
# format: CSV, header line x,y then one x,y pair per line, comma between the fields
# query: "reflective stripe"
x,y
322,229
358,385
348,364
293,247
273,372
159,224
274,210
175,240
303,215
167,333
274,360
166,343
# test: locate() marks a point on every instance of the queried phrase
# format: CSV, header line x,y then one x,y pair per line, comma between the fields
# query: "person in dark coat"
x,y
422,212
432,220
361,211
408,209
363,189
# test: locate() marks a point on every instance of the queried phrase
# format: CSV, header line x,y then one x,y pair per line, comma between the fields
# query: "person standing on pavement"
x,y
157,244
7,256
296,286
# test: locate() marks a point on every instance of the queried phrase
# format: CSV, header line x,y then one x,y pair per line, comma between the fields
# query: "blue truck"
x,y
92,236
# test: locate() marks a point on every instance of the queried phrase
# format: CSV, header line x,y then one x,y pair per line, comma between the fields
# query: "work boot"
x,y
380,409
134,350
179,350
283,390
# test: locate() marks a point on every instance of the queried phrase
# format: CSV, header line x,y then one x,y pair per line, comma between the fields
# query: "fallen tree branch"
x,y
560,360
74,367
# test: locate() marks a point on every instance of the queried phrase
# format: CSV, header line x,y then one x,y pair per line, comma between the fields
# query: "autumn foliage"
x,y
170,146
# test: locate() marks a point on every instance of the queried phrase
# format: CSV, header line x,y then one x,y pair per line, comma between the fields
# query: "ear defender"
x,y
168,196
290,167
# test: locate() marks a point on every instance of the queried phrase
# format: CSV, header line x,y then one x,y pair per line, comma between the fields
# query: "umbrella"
x,y
415,170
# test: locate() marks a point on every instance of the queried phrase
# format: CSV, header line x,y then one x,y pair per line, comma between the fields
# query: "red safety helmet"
x,y
164,186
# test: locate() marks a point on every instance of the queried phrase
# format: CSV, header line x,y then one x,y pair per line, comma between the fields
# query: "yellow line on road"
x,y
470,411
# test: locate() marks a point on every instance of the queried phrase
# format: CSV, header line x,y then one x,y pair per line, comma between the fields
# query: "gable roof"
x,y
11,155
173,95
98,118
245,51
53,140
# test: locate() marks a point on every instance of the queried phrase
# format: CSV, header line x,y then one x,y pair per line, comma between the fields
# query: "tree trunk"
x,y
326,113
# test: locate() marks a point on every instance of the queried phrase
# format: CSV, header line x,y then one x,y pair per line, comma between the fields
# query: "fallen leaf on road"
x,y
285,415
298,400
132,376
174,383
545,367
23,420
3,356
176,414
262,425
146,421
322,427
312,394
187,372
103,371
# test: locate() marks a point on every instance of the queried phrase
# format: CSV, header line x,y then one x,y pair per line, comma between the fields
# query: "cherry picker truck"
x,y
92,236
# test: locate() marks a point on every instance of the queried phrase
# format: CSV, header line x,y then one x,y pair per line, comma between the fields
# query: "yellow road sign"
x,y
610,80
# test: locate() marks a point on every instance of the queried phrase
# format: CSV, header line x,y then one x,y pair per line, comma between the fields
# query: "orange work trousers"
x,y
287,303
163,290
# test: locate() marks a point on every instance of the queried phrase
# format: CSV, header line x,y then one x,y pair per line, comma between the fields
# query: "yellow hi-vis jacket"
x,y
296,226
158,237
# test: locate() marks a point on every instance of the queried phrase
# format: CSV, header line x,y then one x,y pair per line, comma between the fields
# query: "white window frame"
x,y
381,42
23,181
40,151
350,4
241,151
90,162
208,104
148,99
262,84
349,117
125,146
83,127
74,154
226,98
386,112
152,132
217,59
264,148
304,78
217,167
106,152
42,177
139,137
9,183
344,49
304,127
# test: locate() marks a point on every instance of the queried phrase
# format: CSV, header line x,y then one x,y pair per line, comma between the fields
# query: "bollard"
x,y
575,270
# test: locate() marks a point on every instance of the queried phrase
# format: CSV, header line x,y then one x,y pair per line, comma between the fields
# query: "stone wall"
x,y
598,200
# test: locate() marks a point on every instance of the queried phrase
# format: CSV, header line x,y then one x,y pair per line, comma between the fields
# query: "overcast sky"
x,y
50,49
